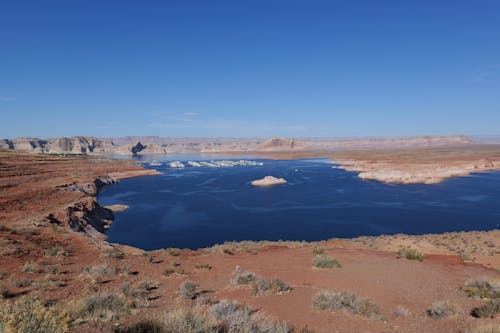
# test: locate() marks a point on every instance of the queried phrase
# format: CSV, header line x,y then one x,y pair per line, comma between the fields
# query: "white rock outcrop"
x,y
268,181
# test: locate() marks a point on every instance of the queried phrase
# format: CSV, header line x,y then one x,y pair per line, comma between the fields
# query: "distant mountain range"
x,y
148,145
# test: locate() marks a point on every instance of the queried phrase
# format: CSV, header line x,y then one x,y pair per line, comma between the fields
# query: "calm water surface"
x,y
200,206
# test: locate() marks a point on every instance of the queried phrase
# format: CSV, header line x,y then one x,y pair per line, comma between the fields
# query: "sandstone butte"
x,y
268,181
48,206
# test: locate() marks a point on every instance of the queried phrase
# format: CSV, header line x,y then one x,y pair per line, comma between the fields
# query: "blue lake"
x,y
200,206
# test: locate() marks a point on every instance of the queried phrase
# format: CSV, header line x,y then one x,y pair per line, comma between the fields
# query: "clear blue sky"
x,y
249,68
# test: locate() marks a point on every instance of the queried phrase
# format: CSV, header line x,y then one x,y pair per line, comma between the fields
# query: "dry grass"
x,y
326,262
483,289
331,300
490,309
241,276
188,289
274,286
28,315
101,307
442,310
100,274
410,254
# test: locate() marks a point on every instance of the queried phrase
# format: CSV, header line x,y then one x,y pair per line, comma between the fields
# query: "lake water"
x,y
199,206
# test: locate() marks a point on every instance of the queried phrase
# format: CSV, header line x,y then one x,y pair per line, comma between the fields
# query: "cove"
x,y
199,206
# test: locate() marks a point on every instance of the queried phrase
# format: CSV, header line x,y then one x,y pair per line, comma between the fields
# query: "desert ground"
x,y
55,263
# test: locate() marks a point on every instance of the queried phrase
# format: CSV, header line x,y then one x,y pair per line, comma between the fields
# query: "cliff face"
x,y
158,146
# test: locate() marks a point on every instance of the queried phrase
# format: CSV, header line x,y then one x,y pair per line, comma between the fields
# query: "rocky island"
x,y
268,181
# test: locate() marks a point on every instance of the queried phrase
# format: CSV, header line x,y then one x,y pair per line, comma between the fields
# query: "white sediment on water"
x,y
214,164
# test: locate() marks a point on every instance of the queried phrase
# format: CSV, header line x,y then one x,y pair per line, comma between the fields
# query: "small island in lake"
x,y
268,181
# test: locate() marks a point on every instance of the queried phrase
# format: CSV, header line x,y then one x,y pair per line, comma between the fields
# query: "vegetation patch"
x,y
241,276
233,317
100,273
317,250
188,289
442,310
56,251
410,254
326,262
28,315
203,266
113,253
347,301
483,289
490,309
22,283
101,307
274,285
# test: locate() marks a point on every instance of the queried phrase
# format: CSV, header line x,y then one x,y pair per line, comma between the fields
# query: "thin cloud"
x,y
191,114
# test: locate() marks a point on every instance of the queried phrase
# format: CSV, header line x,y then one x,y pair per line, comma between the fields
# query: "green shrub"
x,y
490,309
410,254
326,262
28,315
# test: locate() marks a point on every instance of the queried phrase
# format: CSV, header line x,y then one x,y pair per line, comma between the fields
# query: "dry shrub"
x,y
190,321
100,273
188,289
28,315
483,289
22,283
101,307
326,262
442,310
317,250
401,311
241,276
273,285
410,254
331,300
234,317
56,251
113,253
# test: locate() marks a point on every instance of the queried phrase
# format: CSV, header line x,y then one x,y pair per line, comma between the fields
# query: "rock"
x,y
268,181
116,208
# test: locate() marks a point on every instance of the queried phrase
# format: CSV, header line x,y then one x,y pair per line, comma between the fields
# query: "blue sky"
x,y
249,68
